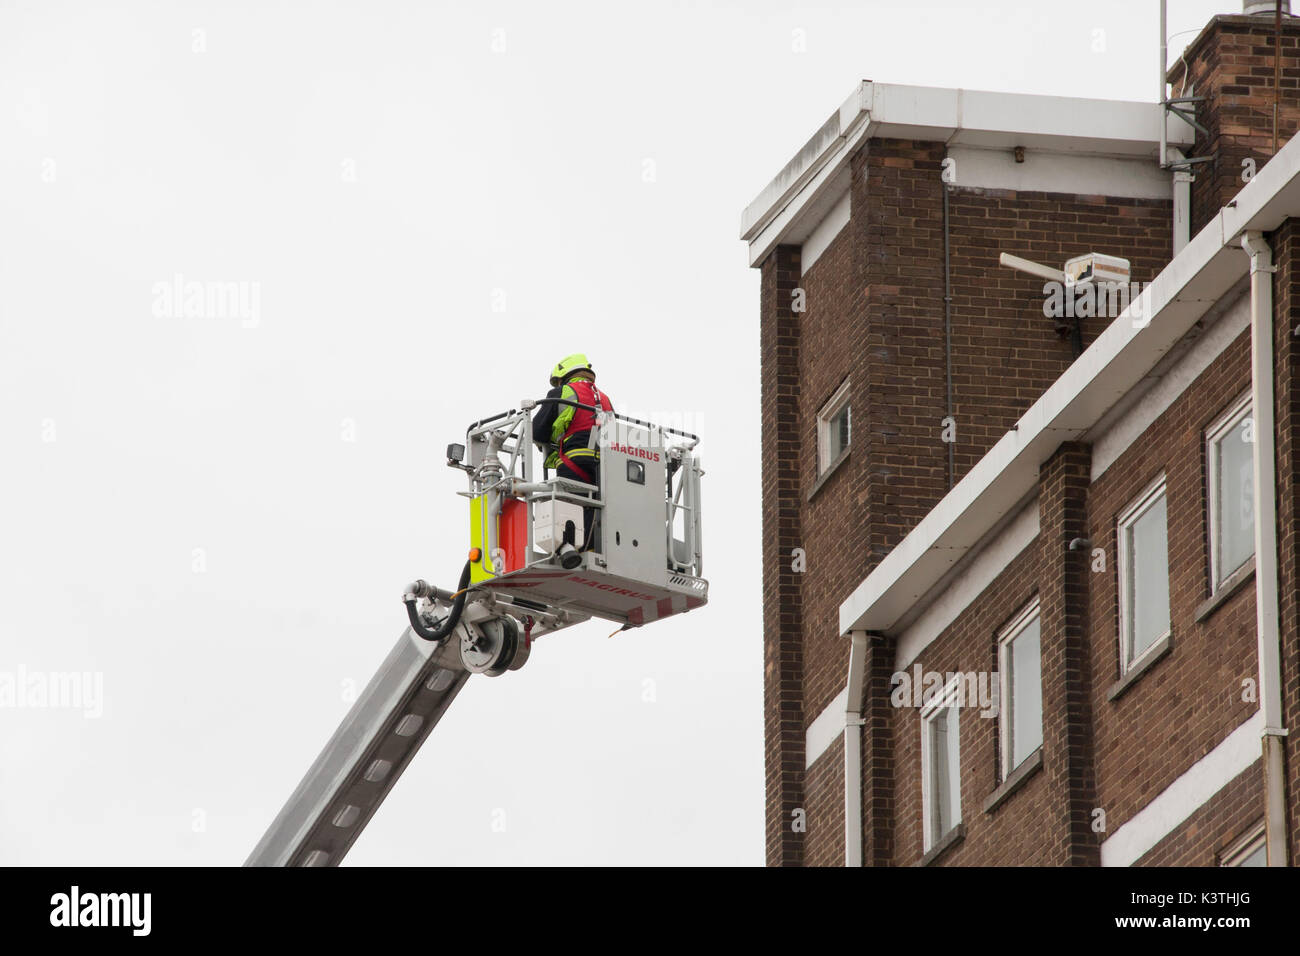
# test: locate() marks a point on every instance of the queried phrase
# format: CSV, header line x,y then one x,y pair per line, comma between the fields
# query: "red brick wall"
x,y
1048,821
782,647
832,349
998,321
1188,702
898,201
879,790
824,787
1113,755
888,339
1286,291
1098,753
1023,830
875,314
1231,64
1068,753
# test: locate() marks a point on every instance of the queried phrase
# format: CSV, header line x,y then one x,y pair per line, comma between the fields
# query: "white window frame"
x,y
944,700
1030,613
1149,496
1244,847
1223,426
833,407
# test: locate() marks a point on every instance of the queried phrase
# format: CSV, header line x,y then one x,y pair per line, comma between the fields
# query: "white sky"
x,y
126,158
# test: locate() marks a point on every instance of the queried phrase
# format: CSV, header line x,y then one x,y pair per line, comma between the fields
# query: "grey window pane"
x,y
839,432
1149,574
954,776
940,799
1256,857
1236,501
1026,693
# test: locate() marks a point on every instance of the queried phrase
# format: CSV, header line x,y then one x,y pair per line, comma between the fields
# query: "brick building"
x,y
1010,560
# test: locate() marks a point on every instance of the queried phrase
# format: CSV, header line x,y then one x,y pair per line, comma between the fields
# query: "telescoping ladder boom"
x,y
527,577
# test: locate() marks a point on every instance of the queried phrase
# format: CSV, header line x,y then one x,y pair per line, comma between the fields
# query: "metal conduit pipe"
x,y
947,339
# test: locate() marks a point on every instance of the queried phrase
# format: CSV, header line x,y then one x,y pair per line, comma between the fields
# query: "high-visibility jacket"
x,y
568,430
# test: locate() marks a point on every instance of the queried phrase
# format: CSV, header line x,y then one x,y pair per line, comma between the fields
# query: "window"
x,y
1021,714
941,764
833,429
1230,465
1248,852
1143,537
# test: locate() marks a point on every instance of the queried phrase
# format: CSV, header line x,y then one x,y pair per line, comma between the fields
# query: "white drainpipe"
x,y
1164,87
1266,597
853,749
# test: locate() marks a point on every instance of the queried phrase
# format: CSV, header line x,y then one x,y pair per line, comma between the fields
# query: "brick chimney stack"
x,y
1232,63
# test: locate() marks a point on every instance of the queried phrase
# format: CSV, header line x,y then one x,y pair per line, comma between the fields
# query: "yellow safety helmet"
x,y
576,362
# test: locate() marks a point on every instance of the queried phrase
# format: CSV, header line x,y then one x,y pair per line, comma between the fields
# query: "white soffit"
x,y
1070,173
791,205
1123,355
824,233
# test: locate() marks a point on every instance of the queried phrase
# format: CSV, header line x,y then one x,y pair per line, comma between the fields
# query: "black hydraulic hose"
x,y
484,421
452,619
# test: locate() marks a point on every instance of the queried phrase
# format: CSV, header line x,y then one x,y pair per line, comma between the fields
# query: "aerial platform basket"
x,y
533,571
643,559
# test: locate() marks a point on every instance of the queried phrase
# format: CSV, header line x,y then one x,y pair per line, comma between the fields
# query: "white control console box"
x,y
549,519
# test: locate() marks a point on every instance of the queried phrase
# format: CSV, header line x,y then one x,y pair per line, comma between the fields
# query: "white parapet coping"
x,y
790,207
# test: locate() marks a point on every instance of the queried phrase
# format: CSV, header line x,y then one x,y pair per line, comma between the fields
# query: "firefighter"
x,y
569,435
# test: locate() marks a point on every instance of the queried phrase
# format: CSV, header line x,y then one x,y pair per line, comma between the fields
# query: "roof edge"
x,y
1108,128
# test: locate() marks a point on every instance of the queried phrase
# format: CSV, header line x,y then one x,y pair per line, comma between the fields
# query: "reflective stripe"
x,y
573,466
554,458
